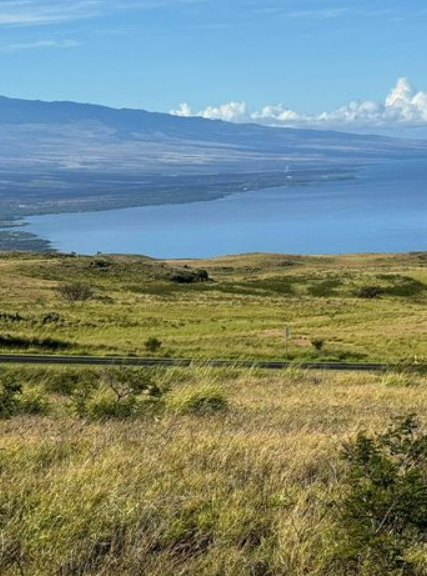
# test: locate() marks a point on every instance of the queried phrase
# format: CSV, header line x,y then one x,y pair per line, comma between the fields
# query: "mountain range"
x,y
57,156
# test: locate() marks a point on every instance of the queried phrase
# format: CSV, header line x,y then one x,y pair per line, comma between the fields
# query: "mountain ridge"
x,y
21,111
71,156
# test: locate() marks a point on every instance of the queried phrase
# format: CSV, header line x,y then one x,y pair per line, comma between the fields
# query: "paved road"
x,y
171,363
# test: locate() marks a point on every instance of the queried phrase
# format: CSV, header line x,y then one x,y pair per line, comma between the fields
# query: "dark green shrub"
x,y
318,344
370,292
14,399
11,317
188,276
10,391
69,380
382,514
153,344
102,265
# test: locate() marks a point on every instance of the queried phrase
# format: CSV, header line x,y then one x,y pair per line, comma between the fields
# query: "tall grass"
x,y
245,491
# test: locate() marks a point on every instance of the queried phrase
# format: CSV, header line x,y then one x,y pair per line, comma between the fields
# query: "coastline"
x,y
12,238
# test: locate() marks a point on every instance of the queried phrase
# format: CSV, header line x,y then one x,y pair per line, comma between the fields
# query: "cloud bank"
x,y
404,107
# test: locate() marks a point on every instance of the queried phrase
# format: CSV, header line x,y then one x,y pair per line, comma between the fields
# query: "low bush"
x,y
200,400
382,514
10,390
11,317
76,292
369,292
67,381
105,404
153,344
188,276
15,399
318,344
121,393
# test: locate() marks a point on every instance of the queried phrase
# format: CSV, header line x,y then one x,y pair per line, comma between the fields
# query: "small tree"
x,y
153,344
76,292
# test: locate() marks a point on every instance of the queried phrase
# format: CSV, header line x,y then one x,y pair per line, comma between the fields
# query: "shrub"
x,y
76,292
382,513
99,264
318,344
14,399
153,344
69,380
122,393
369,292
106,404
11,317
188,276
202,400
10,390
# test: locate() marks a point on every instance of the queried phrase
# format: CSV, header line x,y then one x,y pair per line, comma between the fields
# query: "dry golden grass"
x,y
242,492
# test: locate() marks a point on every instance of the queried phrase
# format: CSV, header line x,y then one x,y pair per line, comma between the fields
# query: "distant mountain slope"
x,y
127,123
68,156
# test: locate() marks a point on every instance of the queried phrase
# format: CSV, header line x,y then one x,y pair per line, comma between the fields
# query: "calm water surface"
x,y
384,210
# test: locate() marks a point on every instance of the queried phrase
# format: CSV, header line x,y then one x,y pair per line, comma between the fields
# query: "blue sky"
x,y
308,55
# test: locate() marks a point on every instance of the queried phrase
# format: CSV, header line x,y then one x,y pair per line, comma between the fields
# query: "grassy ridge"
x,y
240,313
240,491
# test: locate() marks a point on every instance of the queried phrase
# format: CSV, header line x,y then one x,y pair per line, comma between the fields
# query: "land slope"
x,y
362,308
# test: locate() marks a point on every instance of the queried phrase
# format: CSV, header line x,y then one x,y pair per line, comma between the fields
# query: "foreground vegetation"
x,y
211,473
356,308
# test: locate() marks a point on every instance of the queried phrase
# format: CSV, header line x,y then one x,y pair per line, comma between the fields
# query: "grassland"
x,y
199,472
240,313
245,490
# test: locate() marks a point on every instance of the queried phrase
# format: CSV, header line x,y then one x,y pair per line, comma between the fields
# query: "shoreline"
x,y
12,238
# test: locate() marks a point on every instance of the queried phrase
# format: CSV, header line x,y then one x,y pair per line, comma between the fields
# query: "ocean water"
x,y
383,210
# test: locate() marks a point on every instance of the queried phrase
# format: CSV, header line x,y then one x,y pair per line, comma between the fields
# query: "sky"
x,y
350,64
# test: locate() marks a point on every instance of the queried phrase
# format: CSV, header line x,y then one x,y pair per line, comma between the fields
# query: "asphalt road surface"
x,y
172,363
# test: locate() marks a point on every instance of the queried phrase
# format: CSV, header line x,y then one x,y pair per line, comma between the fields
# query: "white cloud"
x,y
43,12
17,47
403,107
49,12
